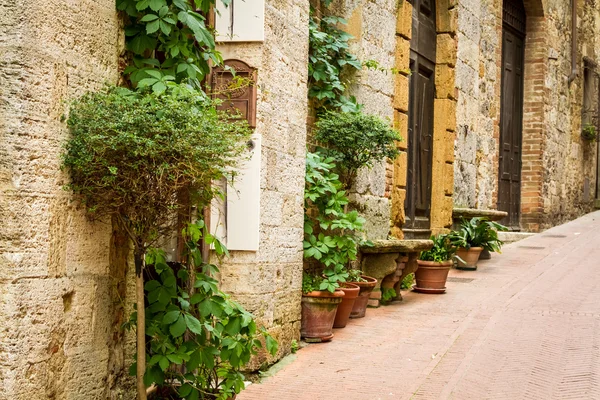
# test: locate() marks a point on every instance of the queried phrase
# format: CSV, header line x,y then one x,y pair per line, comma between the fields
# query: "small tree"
x,y
356,140
132,155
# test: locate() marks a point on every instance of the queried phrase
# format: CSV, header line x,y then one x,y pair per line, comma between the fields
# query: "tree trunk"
x,y
139,256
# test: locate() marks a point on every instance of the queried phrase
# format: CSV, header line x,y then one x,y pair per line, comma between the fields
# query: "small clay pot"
x,y
318,313
431,276
470,258
345,307
360,304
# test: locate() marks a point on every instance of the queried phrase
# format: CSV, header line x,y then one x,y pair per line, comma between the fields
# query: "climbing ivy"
x,y
168,41
329,58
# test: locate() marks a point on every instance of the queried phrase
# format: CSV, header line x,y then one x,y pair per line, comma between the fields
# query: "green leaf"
x,y
163,363
140,43
149,17
193,324
153,73
152,27
272,345
151,285
156,5
171,317
178,328
159,87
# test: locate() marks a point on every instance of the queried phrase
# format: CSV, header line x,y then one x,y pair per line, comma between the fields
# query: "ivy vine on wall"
x,y
169,41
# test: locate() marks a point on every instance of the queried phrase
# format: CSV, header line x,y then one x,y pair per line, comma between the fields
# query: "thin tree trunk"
x,y
139,256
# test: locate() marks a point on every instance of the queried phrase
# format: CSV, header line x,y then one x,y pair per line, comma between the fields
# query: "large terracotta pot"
x,y
318,313
469,256
431,276
360,304
342,315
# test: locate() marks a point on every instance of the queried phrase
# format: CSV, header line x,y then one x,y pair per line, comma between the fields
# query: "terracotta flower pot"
x,y
431,276
360,304
318,313
470,258
345,308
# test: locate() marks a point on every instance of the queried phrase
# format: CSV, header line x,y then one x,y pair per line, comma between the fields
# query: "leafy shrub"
x,y
199,339
356,140
478,232
442,250
330,233
355,275
589,132
130,154
329,56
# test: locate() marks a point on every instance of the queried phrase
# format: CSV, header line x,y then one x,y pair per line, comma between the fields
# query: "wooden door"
x,y
420,118
511,112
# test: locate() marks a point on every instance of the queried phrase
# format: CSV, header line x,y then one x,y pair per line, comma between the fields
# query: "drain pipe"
x,y
573,41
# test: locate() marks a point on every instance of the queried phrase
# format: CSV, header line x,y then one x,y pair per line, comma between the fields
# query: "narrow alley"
x,y
525,325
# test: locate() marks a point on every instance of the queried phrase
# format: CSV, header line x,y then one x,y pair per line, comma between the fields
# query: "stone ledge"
x,y
397,246
467,213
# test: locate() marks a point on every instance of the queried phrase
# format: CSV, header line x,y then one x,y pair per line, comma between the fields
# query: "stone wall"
x,y
62,294
372,25
268,282
558,167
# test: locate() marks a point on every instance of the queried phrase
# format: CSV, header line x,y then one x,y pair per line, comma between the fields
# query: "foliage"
x,y
356,140
407,282
589,132
442,250
168,41
131,154
355,275
478,232
330,233
388,294
294,347
198,339
329,57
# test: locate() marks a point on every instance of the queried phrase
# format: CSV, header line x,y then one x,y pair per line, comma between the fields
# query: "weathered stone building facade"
x,y
557,179
64,285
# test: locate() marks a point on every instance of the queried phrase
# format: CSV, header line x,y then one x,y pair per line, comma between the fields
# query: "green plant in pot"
x,y
471,237
434,265
331,239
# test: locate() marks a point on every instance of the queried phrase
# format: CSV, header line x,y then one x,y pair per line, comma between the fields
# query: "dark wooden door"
x,y
511,112
420,116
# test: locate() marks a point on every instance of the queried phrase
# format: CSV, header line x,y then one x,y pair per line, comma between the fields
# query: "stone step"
x,y
511,237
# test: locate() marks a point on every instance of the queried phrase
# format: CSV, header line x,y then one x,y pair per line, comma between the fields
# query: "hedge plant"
x,y
138,156
356,140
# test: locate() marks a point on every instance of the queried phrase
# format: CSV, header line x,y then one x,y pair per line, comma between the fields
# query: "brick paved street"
x,y
525,325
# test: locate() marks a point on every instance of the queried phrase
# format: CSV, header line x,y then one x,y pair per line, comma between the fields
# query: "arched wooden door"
x,y
420,119
511,111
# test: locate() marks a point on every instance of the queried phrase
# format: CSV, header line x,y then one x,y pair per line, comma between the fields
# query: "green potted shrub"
x,y
331,239
434,265
472,237
366,285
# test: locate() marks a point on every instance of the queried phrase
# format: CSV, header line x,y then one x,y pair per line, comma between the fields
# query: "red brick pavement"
x,y
525,325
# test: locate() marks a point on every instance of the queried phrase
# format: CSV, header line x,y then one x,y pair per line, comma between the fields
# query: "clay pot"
x,y
360,304
431,276
318,313
342,315
469,256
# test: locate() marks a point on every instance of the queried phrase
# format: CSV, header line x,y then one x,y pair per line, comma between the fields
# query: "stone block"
x,y
450,140
446,21
401,125
404,19
402,55
397,209
401,92
448,179
446,49
445,87
444,118
400,169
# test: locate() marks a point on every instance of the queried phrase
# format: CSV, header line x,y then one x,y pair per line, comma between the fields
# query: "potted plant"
x,y
434,265
320,300
342,314
472,237
331,238
366,285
